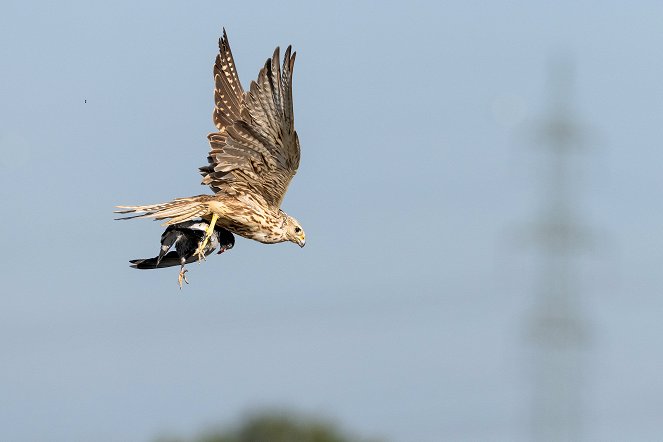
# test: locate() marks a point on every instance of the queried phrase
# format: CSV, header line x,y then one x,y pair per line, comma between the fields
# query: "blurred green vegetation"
x,y
275,427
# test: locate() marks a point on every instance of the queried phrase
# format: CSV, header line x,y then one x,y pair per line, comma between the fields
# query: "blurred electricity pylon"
x,y
556,327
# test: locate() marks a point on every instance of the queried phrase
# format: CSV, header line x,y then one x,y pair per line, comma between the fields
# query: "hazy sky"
x,y
403,316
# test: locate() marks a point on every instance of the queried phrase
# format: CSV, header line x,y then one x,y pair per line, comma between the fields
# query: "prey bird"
x,y
185,238
252,158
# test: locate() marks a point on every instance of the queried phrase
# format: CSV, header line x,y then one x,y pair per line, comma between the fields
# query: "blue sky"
x,y
403,316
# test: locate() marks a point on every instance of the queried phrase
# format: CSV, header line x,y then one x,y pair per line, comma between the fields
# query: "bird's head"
x,y
294,231
226,239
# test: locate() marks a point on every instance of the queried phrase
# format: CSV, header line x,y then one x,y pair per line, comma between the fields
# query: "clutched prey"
x,y
187,240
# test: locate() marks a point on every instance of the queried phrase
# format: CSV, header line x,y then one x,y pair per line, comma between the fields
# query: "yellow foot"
x,y
200,251
182,277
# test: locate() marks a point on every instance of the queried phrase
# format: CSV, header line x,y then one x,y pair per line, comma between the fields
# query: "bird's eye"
x,y
297,230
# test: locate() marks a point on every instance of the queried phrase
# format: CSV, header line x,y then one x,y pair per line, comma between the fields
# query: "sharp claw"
x,y
200,251
182,277
201,254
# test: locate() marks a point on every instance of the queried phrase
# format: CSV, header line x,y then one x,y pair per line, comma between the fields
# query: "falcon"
x,y
252,158
185,238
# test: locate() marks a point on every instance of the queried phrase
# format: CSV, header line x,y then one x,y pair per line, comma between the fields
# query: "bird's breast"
x,y
254,227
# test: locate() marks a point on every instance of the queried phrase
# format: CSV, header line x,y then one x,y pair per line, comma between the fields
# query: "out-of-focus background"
x,y
480,187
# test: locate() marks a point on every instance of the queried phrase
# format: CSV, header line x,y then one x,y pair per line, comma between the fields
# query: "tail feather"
x,y
194,212
170,259
178,210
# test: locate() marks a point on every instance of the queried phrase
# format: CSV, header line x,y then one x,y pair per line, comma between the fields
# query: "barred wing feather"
x,y
256,148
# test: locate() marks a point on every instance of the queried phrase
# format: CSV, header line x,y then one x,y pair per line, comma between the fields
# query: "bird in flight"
x,y
185,238
253,156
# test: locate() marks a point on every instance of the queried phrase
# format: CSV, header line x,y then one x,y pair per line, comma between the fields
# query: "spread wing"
x,y
256,148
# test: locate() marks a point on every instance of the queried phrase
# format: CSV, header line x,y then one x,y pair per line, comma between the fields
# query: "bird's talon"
x,y
200,253
182,277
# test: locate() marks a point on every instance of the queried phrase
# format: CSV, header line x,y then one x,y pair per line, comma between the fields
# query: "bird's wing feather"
x,y
168,238
256,148
228,91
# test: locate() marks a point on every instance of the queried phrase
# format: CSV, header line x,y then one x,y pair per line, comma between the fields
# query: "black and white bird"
x,y
185,237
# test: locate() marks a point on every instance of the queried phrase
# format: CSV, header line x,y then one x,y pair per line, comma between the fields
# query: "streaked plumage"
x,y
253,157
185,238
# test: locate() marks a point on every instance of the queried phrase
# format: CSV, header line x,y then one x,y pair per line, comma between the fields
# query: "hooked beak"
x,y
301,242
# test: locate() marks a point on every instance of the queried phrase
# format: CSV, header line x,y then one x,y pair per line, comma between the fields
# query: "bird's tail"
x,y
178,210
168,260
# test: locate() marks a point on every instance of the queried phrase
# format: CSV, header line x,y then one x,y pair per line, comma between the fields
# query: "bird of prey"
x,y
253,156
185,238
